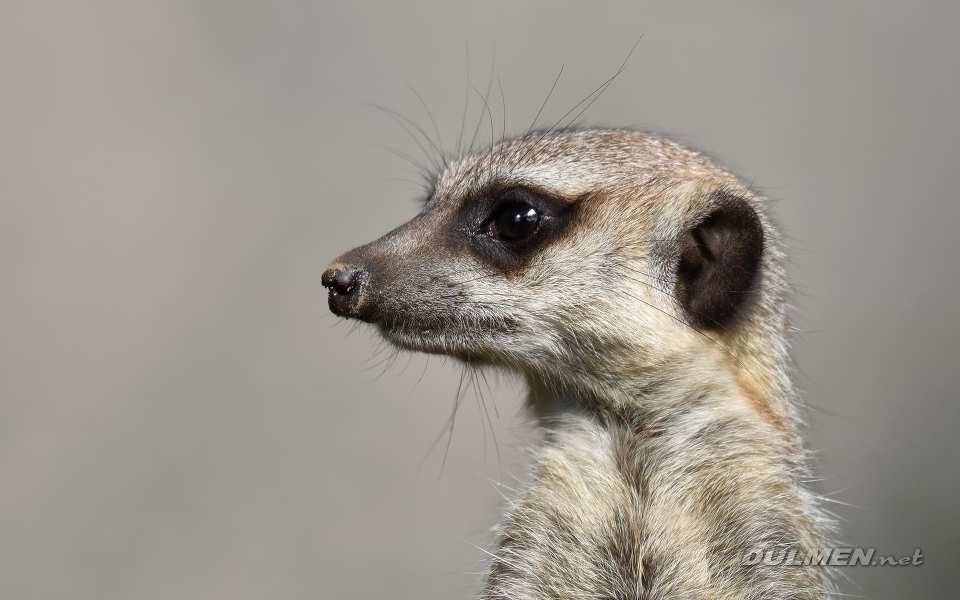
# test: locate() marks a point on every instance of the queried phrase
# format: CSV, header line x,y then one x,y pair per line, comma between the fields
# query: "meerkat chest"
x,y
618,510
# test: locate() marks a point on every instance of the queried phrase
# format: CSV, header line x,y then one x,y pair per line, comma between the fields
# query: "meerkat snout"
x,y
346,288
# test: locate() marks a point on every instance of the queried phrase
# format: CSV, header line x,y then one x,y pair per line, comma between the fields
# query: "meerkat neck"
x,y
660,503
712,380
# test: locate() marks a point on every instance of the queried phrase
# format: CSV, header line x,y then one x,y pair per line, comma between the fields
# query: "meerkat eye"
x,y
513,221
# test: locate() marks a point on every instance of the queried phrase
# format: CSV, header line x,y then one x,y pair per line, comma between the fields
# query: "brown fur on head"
x,y
646,257
636,286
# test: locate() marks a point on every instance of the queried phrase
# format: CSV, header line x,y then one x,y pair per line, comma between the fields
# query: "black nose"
x,y
346,288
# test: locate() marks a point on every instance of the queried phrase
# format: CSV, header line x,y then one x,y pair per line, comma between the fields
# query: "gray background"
x,y
181,417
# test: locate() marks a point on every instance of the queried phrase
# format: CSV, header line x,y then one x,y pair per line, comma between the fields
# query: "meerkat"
x,y
636,286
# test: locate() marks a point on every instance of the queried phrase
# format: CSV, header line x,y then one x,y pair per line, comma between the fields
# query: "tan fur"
x,y
669,450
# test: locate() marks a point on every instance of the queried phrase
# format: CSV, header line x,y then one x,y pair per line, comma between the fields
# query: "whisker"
x,y
426,364
466,105
453,420
604,88
404,122
480,121
421,168
598,92
439,144
545,100
490,115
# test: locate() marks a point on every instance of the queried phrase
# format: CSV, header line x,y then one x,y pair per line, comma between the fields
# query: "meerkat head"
x,y
591,261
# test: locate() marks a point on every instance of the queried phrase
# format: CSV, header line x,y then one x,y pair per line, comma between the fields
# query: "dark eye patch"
x,y
509,226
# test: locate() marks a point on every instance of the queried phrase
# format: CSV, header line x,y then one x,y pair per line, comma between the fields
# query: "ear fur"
x,y
719,260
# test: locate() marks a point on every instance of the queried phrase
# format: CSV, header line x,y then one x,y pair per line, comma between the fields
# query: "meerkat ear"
x,y
718,263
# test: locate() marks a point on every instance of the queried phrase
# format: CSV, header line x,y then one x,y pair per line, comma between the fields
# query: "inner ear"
x,y
719,261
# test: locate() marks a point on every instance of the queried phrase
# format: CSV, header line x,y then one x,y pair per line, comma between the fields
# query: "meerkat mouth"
x,y
454,336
